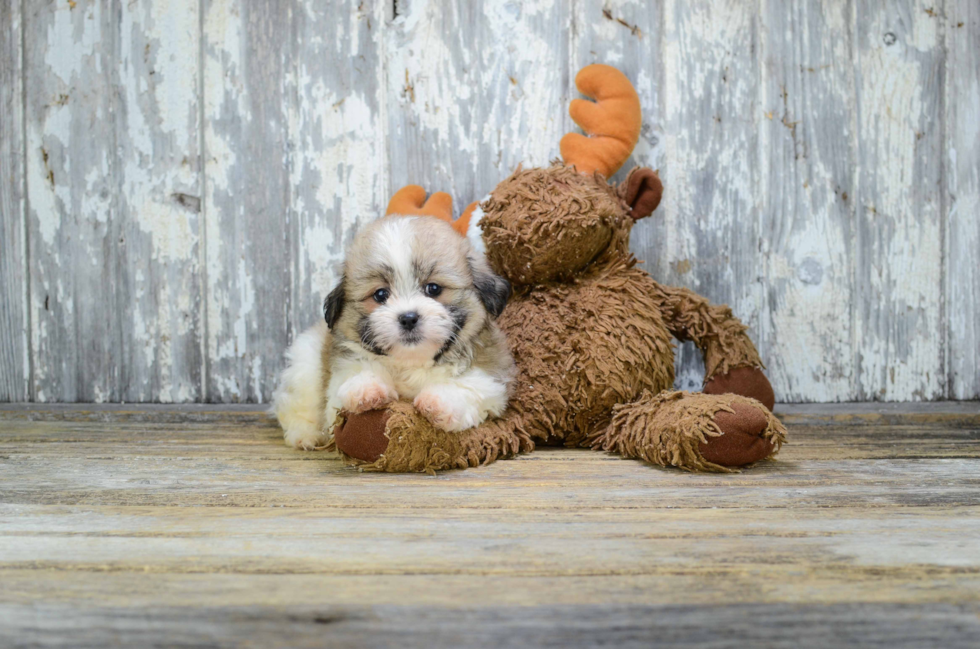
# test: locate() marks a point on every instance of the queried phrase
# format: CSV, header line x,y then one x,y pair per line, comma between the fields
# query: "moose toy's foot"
x,y
697,432
400,440
746,381
362,436
743,439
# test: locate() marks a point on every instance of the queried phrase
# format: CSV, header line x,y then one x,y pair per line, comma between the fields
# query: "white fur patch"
x,y
474,234
296,401
462,402
453,396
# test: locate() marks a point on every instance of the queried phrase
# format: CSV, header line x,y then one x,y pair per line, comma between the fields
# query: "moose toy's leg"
x,y
697,432
747,381
731,362
399,440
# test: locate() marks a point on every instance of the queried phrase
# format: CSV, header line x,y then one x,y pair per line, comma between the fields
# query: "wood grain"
x,y
474,89
898,245
334,101
545,625
114,193
14,318
158,183
76,241
713,120
124,526
806,195
194,170
249,241
961,96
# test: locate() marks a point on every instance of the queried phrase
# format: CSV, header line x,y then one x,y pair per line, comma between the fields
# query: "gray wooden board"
x,y
74,221
158,182
807,134
898,344
337,158
193,172
114,193
961,95
125,526
14,327
712,119
248,239
788,626
474,89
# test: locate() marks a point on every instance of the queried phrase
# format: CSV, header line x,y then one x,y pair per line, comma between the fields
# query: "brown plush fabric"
x,y
743,441
362,436
642,192
544,224
582,347
670,428
746,381
712,327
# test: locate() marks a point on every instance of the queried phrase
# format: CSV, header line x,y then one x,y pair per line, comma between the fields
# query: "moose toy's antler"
x,y
410,200
612,122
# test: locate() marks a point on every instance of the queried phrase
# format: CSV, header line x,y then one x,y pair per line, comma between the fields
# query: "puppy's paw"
x,y
365,392
449,408
304,438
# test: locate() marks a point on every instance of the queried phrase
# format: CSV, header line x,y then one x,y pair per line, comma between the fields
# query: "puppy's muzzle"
x,y
408,320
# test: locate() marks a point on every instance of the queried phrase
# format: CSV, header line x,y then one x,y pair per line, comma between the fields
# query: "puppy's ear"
x,y
494,291
334,305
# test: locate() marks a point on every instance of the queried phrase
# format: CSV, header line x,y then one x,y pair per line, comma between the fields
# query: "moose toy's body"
x,y
591,333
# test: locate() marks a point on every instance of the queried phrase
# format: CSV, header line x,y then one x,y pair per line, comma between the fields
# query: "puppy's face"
x,y
413,290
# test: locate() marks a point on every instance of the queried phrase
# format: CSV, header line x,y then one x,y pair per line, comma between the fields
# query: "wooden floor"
x,y
195,527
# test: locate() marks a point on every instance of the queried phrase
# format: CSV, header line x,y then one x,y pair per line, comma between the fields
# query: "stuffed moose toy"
x,y
590,332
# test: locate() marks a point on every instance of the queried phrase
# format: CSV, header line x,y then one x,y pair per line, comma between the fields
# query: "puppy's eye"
x,y
432,290
381,295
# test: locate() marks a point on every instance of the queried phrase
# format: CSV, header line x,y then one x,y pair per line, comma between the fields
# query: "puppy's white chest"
x,y
410,381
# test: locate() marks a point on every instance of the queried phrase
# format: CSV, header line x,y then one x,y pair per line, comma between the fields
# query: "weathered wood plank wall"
x,y
14,326
178,178
961,192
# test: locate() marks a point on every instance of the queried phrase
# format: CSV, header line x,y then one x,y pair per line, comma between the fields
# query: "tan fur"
x,y
454,363
452,261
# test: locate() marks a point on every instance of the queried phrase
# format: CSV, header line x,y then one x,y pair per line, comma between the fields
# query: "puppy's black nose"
x,y
408,320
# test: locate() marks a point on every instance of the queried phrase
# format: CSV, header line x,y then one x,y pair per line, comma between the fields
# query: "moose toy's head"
x,y
547,224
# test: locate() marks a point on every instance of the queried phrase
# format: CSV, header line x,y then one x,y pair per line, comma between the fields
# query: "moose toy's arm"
x,y
731,362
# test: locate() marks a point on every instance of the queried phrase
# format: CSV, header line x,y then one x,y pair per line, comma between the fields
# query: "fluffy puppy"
x,y
412,318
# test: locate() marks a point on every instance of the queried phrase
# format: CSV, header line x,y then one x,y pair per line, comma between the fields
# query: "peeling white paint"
x,y
474,107
81,29
760,118
337,147
899,272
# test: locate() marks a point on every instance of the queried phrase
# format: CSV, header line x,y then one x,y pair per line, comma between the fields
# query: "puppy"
x,y
412,318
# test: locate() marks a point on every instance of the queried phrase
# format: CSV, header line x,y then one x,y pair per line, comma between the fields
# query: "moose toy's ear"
x,y
642,191
334,304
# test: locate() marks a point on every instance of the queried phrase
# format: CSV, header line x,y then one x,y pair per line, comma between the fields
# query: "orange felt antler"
x,y
410,200
612,121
